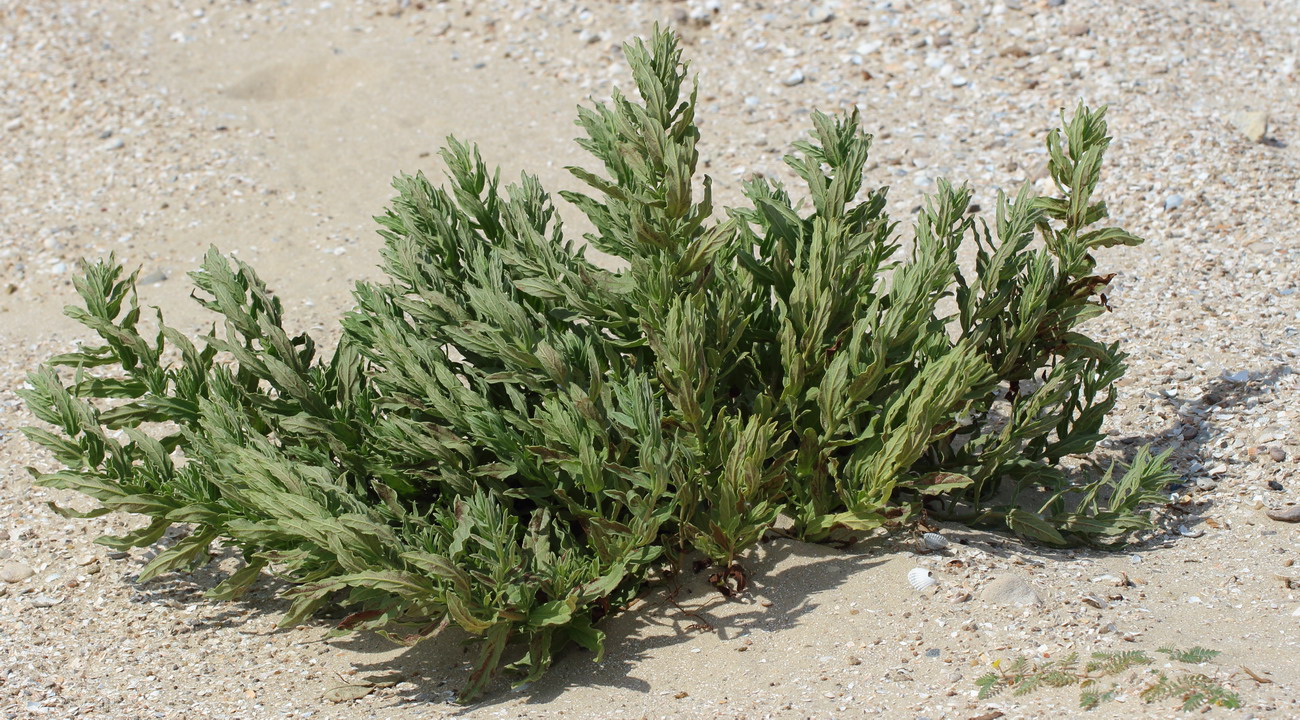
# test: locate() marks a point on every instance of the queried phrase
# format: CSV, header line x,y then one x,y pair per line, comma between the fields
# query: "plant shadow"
x,y
785,577
1192,434
786,574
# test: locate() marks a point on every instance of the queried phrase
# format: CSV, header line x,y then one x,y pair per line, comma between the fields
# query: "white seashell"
x,y
920,578
934,541
1188,532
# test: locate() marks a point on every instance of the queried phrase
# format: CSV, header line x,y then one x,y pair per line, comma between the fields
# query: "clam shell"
x,y
934,541
920,578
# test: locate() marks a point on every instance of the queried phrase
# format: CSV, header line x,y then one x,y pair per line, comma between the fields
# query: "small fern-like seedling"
x,y
1195,690
1194,655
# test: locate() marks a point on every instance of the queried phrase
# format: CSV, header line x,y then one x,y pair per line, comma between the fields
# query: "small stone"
x,y
114,144
15,124
1093,601
12,572
819,14
1076,29
1055,3
794,78
1010,590
153,278
1275,485
118,554
1173,202
1252,125
1189,432
1277,453
854,660
1290,515
933,653
44,601
958,80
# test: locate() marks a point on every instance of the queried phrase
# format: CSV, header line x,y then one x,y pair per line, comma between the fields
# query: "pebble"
x,y
1010,590
114,144
44,601
1277,453
1173,202
15,124
1252,125
12,572
1094,601
819,14
1076,29
958,80
153,278
1290,515
794,78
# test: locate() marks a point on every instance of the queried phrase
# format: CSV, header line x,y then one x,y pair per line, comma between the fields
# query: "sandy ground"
x,y
152,129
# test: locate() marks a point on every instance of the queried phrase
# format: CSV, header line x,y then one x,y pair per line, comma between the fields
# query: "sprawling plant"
x,y
509,437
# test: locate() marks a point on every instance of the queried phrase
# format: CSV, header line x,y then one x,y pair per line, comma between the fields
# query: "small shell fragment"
x,y
920,578
1093,601
934,541
1188,532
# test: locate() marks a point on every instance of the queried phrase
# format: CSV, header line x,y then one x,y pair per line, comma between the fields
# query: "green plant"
x,y
511,438
1193,689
